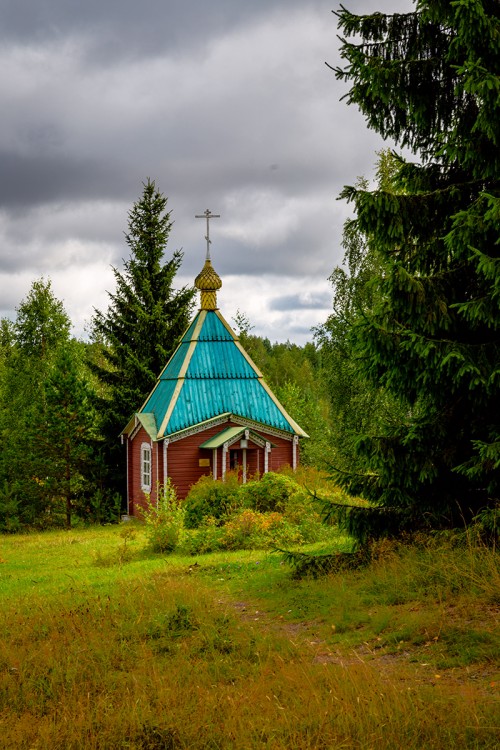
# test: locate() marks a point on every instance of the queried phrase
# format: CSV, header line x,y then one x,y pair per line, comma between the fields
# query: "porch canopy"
x,y
231,434
227,438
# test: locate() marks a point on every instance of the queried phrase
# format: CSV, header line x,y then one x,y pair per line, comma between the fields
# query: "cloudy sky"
x,y
227,105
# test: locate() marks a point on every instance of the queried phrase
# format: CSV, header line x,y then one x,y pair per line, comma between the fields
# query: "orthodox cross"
x,y
207,215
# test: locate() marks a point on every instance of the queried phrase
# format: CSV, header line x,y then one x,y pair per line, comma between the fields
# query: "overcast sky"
x,y
227,105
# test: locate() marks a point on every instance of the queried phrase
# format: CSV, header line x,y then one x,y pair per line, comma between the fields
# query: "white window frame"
x,y
146,467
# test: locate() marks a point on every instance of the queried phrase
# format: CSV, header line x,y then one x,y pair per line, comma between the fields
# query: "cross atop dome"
x,y
207,215
208,280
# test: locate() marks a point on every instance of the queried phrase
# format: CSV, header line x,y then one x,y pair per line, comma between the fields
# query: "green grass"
x,y
105,645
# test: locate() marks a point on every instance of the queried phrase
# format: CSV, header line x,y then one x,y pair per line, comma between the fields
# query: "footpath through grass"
x,y
105,645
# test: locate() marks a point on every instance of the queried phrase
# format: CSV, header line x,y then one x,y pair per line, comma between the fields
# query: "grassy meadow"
x,y
105,644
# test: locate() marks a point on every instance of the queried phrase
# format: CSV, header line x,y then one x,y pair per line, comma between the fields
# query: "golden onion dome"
x,y
208,281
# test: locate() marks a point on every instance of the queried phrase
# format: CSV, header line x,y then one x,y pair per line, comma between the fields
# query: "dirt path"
x,y
409,665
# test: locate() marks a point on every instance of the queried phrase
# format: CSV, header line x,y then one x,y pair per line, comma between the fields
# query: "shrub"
x,y
164,520
206,538
269,494
263,513
212,498
252,530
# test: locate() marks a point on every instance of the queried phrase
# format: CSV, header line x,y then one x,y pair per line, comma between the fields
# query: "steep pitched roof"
x,y
210,375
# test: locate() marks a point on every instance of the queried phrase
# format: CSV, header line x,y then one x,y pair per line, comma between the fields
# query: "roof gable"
x,y
211,374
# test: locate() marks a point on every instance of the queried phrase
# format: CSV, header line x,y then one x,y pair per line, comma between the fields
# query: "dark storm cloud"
x,y
118,29
227,105
29,179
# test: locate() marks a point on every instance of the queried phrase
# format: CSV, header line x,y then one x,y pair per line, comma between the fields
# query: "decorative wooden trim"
x,y
229,417
261,427
127,446
224,456
200,427
267,451
148,447
136,429
294,451
165,460
257,439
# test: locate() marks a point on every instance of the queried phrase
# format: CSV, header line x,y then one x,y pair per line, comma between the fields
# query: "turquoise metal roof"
x,y
157,399
171,372
214,329
222,359
208,375
204,399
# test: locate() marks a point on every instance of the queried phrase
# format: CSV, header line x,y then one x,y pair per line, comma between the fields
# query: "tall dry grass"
x,y
103,645
163,663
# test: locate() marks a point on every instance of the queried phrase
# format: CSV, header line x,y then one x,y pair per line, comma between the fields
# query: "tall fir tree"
x,y
430,81
142,325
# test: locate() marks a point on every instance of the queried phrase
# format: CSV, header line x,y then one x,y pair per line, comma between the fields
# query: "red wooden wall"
x,y
183,461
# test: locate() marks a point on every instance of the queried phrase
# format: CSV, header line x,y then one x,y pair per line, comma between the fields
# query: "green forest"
x,y
351,603
398,389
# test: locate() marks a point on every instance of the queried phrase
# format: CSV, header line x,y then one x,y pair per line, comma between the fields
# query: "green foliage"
x,y
428,333
310,409
64,431
261,514
249,529
270,493
296,376
164,520
42,323
206,537
487,524
47,420
142,326
242,323
316,565
214,499
9,509
118,556
101,509
358,405
413,663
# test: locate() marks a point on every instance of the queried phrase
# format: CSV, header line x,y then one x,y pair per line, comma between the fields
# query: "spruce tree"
x,y
142,325
430,81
